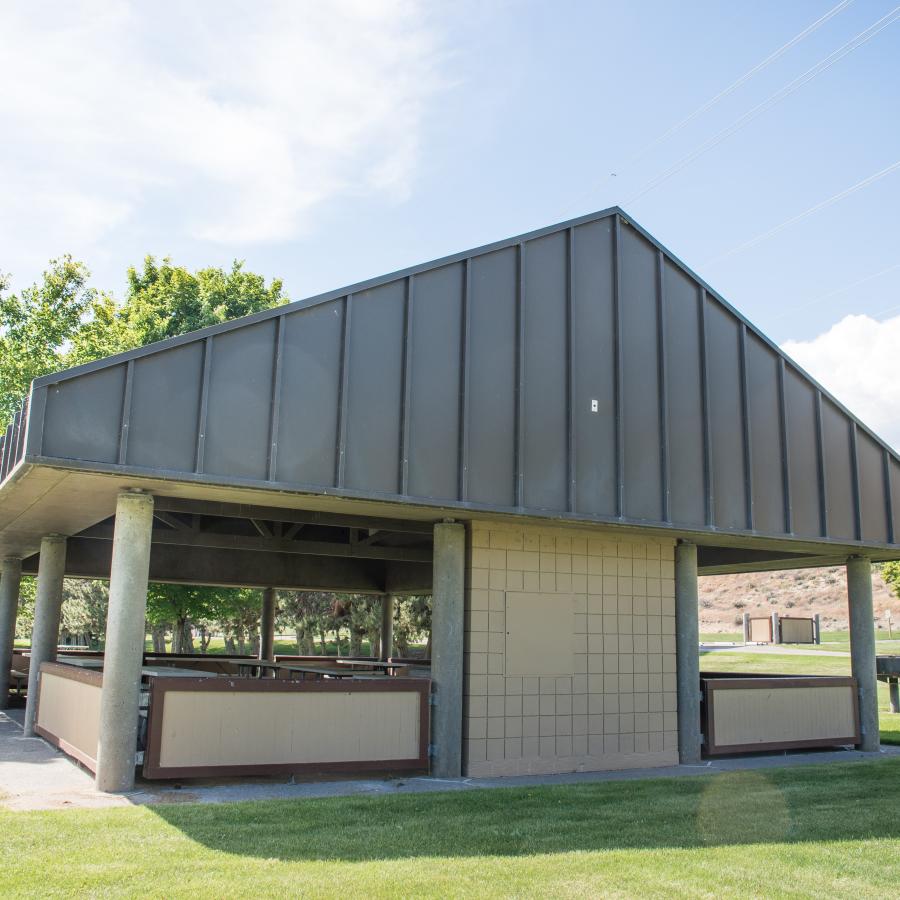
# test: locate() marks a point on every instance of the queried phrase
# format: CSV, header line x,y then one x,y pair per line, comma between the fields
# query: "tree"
x,y
36,327
164,300
84,607
412,623
310,614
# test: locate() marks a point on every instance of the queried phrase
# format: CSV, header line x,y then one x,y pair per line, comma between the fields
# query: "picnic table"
x,y
175,672
246,667
314,673
373,665
83,662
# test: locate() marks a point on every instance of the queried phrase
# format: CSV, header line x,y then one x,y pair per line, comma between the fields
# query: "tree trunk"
x,y
300,639
188,640
229,643
254,642
158,637
324,641
375,644
428,646
355,643
241,643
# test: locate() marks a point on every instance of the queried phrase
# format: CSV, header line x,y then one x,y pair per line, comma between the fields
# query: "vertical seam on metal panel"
x,y
854,474
275,407
4,456
204,406
464,351
785,450
26,415
344,398
571,460
662,364
520,380
888,493
820,454
708,485
43,416
406,385
126,412
746,429
619,363
14,442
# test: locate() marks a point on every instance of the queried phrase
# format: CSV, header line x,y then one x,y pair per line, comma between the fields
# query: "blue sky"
x,y
327,143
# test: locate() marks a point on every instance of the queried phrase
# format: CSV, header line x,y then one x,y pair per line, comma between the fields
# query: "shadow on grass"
x,y
827,803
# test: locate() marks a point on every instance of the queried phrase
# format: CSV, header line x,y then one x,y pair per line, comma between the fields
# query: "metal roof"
x,y
580,372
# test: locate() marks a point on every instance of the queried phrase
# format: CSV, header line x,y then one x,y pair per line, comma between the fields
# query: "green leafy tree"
x,y
84,607
164,300
310,615
412,624
37,326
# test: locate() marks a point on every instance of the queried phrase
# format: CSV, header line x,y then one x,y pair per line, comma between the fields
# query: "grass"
x,y
831,832
791,664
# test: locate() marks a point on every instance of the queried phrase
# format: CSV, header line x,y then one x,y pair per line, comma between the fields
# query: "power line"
x,y
770,101
841,290
808,212
772,57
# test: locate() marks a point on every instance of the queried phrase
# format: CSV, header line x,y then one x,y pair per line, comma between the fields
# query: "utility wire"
x,y
770,101
841,290
808,212
772,57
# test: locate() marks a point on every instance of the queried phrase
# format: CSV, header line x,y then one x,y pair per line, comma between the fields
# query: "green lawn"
x,y
794,664
822,832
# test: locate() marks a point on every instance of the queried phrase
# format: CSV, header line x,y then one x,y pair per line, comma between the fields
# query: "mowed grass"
x,y
829,831
795,664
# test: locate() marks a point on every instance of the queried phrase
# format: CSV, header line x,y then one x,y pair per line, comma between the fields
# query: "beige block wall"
x,y
616,708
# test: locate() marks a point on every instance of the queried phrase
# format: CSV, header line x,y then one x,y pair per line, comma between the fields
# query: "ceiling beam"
x,y
296,516
209,540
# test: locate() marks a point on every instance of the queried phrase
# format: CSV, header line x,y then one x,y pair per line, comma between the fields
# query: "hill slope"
x,y
799,592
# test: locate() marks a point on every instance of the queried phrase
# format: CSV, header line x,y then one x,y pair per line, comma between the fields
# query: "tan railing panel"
x,y
761,631
225,729
783,715
68,712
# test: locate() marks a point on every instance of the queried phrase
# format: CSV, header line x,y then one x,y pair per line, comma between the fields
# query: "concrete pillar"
x,y
10,578
817,628
47,608
745,622
687,646
267,624
447,624
894,695
862,649
776,629
125,635
387,626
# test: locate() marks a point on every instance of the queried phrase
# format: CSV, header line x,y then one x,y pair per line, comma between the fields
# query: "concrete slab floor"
x,y
34,775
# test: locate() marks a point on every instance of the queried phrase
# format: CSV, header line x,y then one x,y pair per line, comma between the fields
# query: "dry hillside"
x,y
799,592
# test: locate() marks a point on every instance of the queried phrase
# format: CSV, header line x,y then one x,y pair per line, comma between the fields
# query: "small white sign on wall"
x,y
540,634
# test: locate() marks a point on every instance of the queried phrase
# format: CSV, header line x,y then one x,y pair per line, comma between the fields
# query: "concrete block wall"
x,y
617,706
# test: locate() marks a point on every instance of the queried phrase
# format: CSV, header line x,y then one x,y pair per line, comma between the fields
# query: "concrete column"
x,y
47,608
448,596
776,629
10,578
687,646
894,695
125,636
267,624
387,626
862,649
745,622
817,628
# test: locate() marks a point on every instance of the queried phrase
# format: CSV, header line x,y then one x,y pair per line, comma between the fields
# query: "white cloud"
x,y
856,359
230,120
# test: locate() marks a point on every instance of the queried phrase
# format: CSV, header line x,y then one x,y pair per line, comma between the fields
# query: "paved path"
x,y
35,776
